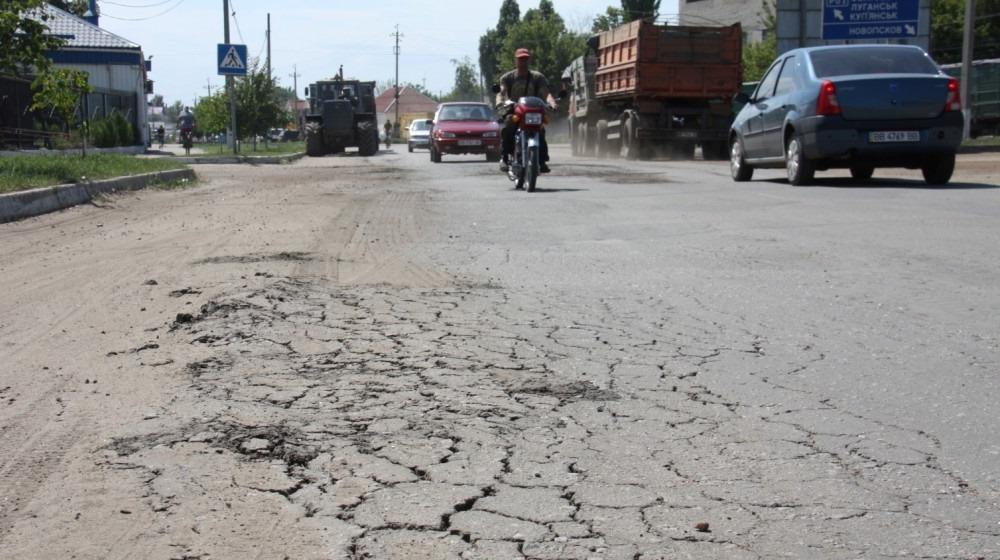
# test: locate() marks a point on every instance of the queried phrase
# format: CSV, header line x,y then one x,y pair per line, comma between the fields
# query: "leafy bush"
x,y
112,131
123,130
103,134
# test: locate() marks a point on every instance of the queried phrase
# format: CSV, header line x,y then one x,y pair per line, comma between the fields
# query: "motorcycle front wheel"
x,y
531,169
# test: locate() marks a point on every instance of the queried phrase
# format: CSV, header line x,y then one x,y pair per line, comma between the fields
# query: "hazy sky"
x,y
318,36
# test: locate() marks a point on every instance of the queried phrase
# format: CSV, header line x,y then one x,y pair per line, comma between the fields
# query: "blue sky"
x,y
318,36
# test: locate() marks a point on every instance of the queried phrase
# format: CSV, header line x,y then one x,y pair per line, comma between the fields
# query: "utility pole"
x,y
231,132
295,81
208,86
967,39
295,94
396,52
269,47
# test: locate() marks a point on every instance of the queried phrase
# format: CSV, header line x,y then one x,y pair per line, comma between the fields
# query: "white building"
x,y
115,66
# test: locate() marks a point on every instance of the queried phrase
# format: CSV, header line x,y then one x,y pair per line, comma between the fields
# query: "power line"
x,y
144,6
164,12
237,22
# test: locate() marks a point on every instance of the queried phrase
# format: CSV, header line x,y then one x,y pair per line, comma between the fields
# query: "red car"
x,y
465,128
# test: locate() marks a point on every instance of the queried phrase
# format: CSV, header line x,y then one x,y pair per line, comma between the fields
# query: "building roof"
x,y
410,101
80,33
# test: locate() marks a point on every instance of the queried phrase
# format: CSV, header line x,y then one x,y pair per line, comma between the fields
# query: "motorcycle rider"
x,y
522,82
185,122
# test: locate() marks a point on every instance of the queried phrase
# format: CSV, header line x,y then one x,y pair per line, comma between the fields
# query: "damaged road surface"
x,y
353,358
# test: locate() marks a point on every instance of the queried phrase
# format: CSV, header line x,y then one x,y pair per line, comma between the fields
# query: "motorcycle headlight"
x,y
492,134
533,118
443,134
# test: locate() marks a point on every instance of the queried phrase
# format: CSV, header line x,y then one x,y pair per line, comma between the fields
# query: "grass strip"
x,y
18,173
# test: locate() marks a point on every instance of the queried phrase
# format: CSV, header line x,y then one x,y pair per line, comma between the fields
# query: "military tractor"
x,y
341,115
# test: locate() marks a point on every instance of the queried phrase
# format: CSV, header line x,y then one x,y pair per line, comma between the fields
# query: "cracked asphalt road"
x,y
383,358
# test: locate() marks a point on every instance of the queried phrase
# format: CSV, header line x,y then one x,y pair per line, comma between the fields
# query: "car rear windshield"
x,y
465,113
870,60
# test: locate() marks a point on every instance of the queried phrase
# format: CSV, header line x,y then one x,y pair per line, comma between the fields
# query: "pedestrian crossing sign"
x,y
232,60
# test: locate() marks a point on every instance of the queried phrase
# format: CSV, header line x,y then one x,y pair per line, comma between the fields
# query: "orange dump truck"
x,y
646,89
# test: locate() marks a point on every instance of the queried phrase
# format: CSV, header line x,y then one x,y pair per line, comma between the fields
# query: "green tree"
x,y
758,56
640,9
948,22
493,40
212,113
552,46
59,90
23,35
258,105
466,82
610,19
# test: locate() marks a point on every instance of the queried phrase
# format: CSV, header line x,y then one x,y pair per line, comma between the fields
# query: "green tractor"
x,y
341,115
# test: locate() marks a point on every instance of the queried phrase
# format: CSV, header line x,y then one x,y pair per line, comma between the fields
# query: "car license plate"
x,y
894,136
470,142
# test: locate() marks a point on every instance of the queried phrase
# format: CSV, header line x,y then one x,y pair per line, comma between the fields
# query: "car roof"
x,y
851,47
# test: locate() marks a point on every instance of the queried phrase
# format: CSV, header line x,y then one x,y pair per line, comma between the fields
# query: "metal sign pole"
x,y
231,132
965,89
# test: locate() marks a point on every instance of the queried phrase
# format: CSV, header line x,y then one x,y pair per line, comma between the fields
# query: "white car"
x,y
420,134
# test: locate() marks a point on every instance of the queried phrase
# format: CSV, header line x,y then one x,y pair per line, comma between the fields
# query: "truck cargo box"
x,y
643,59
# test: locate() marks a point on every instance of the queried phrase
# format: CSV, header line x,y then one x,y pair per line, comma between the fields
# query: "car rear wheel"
x,y
938,170
862,172
800,170
738,167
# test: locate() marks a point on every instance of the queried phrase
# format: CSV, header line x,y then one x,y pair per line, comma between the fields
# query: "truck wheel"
x,y
682,151
574,141
367,139
938,169
314,144
630,140
601,139
714,151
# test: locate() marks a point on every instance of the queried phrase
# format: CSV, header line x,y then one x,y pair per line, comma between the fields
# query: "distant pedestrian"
x,y
388,134
161,135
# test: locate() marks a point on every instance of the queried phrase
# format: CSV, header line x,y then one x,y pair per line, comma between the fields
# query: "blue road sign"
x,y
870,19
232,60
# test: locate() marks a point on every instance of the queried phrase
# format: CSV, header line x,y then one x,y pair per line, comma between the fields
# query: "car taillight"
x,y
827,103
954,100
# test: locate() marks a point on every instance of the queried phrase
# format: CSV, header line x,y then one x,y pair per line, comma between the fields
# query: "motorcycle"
x,y
530,116
187,140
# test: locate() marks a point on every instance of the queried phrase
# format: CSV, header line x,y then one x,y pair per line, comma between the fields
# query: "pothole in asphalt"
x,y
284,256
280,442
566,392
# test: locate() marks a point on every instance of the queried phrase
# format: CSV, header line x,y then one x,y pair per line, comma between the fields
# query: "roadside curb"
x,y
252,160
35,202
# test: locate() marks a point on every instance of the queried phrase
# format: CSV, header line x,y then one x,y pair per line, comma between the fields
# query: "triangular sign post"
x,y
232,60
